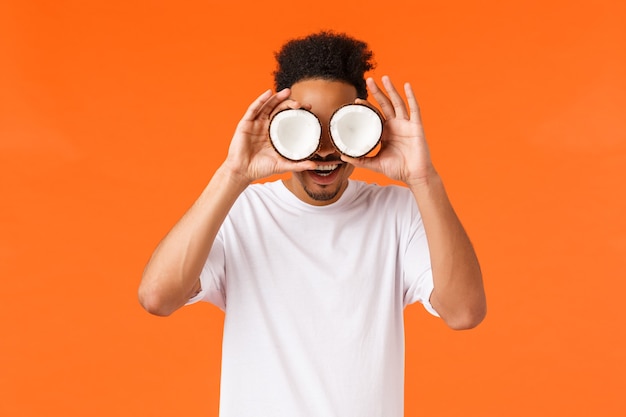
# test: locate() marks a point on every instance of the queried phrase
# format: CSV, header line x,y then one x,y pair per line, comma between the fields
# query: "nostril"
x,y
328,152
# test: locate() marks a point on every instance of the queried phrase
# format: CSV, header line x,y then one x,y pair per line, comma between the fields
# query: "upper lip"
x,y
329,160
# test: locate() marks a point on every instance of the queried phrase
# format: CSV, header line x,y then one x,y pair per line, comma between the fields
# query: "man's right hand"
x,y
251,156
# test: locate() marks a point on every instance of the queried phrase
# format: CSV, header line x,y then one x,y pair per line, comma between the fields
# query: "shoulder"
x,y
375,193
395,202
266,190
257,198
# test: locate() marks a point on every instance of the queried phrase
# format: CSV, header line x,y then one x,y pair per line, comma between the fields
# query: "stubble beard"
x,y
322,196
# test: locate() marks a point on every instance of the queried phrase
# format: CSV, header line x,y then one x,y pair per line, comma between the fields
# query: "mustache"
x,y
328,158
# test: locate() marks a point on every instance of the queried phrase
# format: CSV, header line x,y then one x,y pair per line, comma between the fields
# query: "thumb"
x,y
302,166
363,162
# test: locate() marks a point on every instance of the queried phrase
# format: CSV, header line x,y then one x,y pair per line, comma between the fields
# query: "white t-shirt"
x,y
314,300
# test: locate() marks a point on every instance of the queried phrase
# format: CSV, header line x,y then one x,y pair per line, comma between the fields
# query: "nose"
x,y
326,145
326,150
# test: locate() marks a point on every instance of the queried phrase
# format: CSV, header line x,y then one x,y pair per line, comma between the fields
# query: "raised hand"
x,y
250,154
404,154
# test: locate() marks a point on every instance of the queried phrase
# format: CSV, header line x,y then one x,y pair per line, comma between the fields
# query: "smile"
x,y
326,170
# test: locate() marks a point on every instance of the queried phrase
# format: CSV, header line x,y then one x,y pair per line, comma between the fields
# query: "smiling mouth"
x,y
326,170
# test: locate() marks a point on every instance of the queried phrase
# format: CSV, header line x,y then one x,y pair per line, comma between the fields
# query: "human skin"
x,y
171,276
322,98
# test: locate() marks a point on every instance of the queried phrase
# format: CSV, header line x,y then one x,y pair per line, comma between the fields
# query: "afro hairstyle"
x,y
324,55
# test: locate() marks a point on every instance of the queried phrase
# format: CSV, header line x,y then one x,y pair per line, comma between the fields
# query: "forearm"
x,y
458,294
172,274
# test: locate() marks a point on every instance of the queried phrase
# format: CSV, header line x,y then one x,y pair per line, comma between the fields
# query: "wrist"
x,y
233,176
425,178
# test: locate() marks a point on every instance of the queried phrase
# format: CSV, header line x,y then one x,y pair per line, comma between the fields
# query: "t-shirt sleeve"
x,y
212,277
417,272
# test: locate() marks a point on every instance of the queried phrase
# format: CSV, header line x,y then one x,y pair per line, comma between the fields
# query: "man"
x,y
313,272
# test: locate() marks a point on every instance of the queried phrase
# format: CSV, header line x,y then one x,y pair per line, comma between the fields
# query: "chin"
x,y
320,191
323,195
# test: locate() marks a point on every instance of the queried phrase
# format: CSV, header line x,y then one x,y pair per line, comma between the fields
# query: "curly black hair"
x,y
324,55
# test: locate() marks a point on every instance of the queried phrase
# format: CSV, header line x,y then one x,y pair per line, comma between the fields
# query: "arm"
x,y
458,295
172,274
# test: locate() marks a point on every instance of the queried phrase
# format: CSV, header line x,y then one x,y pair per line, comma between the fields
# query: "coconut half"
x,y
355,129
295,133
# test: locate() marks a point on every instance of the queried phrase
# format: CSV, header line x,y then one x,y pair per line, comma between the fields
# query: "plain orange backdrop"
x,y
113,116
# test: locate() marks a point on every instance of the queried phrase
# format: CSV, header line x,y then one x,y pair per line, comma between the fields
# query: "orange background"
x,y
113,116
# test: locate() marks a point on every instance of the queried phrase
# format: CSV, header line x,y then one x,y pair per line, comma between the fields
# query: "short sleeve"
x,y
212,277
417,272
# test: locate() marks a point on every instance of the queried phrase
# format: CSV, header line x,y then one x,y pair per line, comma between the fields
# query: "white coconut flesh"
x,y
355,129
295,133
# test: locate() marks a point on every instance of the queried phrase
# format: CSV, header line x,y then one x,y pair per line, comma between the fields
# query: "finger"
x,y
288,104
396,99
268,107
382,100
364,162
303,166
285,165
414,107
256,105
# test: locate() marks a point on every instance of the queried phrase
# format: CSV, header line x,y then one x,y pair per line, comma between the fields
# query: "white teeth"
x,y
326,167
326,170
